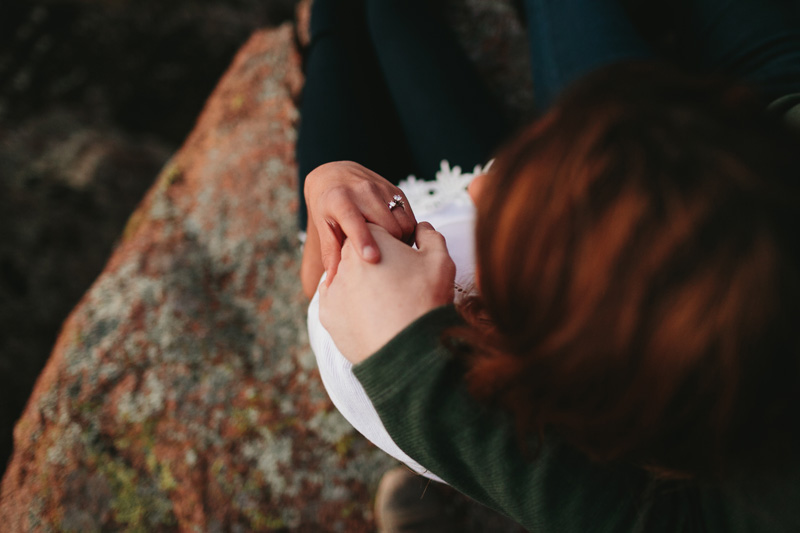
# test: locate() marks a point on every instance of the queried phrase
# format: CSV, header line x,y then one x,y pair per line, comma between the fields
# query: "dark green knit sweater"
x,y
417,388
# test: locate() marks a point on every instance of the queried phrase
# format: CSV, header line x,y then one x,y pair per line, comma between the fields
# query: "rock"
x,y
181,393
77,77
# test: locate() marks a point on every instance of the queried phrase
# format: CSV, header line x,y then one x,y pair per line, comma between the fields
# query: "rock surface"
x,y
181,393
88,115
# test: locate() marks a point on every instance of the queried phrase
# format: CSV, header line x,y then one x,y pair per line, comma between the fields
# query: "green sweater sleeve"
x,y
417,388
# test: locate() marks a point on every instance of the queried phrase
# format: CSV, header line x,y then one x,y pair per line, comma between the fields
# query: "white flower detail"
x,y
448,187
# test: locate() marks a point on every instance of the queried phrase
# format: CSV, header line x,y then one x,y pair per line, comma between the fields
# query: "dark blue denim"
x,y
387,85
755,41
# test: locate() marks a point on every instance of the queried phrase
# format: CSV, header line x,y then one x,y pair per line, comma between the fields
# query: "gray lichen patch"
x,y
272,456
330,426
144,403
58,452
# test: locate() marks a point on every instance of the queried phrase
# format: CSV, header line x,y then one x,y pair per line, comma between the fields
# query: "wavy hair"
x,y
638,270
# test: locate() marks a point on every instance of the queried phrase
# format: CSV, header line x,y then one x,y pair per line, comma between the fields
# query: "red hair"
x,y
638,264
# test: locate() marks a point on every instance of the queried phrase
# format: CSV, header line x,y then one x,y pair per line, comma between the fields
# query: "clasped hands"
x,y
376,284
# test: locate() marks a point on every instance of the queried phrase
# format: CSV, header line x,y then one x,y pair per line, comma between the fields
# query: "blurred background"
x,y
95,95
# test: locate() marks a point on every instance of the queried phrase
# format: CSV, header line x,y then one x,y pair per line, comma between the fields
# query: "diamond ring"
x,y
396,200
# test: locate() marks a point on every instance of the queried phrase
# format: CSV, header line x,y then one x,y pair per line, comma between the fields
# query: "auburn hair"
x,y
638,272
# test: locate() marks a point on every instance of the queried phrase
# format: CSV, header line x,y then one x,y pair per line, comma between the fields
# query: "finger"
x,y
405,218
330,253
323,293
354,226
428,239
377,211
331,249
323,305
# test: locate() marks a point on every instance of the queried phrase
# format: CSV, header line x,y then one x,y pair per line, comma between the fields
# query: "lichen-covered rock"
x,y
181,393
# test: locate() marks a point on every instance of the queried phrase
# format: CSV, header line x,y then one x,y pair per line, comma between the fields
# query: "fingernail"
x,y
369,253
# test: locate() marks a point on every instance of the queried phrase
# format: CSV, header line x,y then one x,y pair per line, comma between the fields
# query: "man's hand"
x,y
342,197
368,304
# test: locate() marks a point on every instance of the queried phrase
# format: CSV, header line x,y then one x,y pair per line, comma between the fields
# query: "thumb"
x,y
428,239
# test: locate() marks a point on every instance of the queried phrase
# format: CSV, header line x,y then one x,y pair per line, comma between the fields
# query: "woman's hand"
x,y
369,304
342,197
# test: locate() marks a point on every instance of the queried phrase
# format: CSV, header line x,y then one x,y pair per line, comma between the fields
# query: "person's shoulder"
x,y
758,500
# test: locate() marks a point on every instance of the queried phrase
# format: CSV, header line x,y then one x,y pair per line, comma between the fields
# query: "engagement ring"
x,y
396,200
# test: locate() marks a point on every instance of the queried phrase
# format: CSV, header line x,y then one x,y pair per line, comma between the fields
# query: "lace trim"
x,y
449,187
